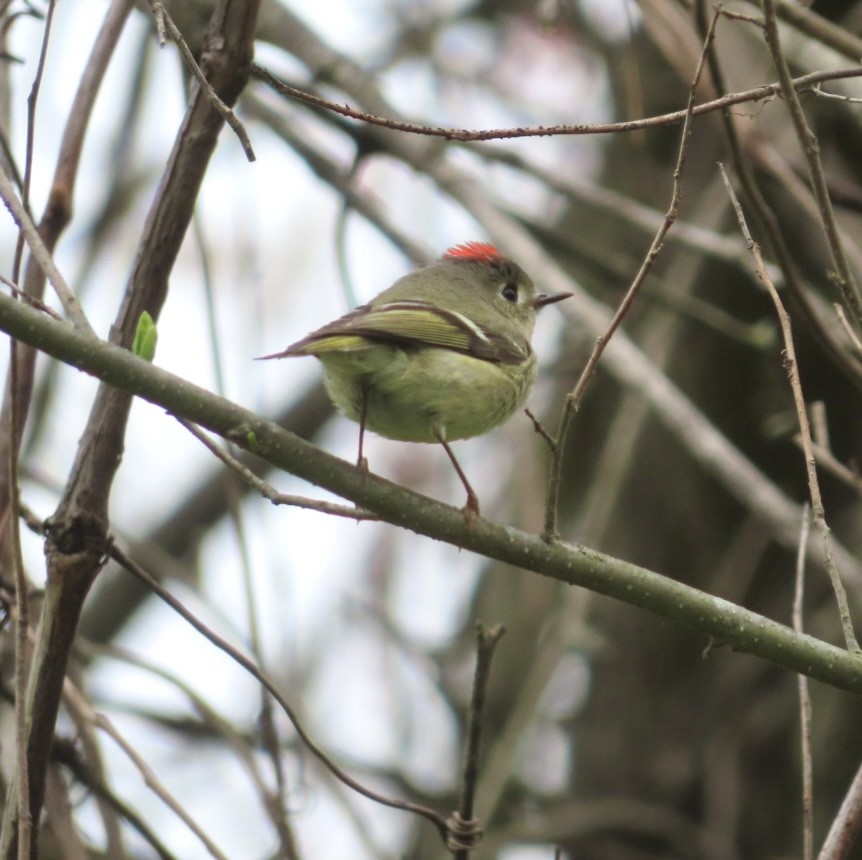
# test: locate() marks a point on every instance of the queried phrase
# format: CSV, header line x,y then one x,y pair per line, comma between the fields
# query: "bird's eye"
x,y
510,293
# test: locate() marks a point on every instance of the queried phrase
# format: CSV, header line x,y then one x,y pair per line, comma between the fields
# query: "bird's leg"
x,y
471,509
361,461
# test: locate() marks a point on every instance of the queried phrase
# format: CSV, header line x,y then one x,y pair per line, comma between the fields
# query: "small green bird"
x,y
443,354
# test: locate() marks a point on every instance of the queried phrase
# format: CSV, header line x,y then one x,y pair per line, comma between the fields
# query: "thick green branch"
x,y
576,565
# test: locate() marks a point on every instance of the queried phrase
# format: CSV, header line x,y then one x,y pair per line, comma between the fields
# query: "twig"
x,y
255,671
569,563
83,505
840,38
22,611
765,91
742,148
42,255
642,217
540,429
833,465
811,151
152,781
33,302
32,101
464,831
845,324
804,696
845,828
273,801
332,172
219,727
165,24
56,214
68,755
22,621
792,368
267,490
818,91
89,748
573,400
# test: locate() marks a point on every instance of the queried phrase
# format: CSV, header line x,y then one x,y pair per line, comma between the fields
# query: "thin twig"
x,y
464,831
267,490
33,302
767,91
745,152
42,255
540,429
68,755
32,101
642,217
255,671
839,96
102,722
843,274
274,802
165,24
215,723
573,400
845,828
792,368
819,29
804,696
845,324
569,563
22,611
22,621
833,465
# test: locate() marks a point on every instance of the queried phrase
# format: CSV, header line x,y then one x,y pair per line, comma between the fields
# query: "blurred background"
x,y
612,734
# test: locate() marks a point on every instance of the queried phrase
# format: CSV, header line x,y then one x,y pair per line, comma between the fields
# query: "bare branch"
x,y
767,91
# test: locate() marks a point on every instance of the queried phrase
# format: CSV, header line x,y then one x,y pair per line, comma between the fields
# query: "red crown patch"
x,y
482,252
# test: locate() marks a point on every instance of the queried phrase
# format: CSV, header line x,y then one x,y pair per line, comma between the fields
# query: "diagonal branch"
x,y
726,622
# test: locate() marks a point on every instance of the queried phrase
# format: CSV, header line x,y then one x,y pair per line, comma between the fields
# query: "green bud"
x,y
146,336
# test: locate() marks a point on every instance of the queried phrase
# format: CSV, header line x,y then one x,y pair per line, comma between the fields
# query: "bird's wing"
x,y
410,323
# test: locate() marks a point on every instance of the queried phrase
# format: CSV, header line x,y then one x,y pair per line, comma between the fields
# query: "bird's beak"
x,y
549,299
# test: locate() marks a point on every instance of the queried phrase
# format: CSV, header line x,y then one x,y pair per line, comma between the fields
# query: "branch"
x,y
569,563
810,147
165,25
623,360
792,367
573,400
77,537
463,135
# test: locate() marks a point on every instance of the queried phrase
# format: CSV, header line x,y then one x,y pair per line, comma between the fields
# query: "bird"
x,y
443,354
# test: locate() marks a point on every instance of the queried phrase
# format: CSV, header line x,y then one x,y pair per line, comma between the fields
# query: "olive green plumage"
x,y
442,354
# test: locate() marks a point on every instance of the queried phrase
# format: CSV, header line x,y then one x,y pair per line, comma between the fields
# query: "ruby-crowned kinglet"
x,y
443,354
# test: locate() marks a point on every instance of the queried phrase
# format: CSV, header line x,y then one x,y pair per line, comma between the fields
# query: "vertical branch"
x,y
573,400
463,831
804,698
77,539
57,214
810,147
792,368
22,625
20,800
32,101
